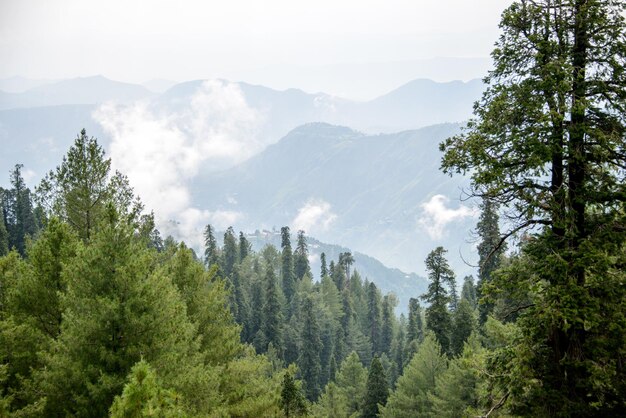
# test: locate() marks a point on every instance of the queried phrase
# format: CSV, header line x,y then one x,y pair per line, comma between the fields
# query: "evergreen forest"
x,y
101,315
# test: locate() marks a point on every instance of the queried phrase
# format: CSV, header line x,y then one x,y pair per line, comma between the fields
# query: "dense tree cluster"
x,y
101,316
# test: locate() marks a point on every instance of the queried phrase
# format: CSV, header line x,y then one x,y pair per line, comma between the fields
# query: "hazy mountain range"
x,y
359,174
382,195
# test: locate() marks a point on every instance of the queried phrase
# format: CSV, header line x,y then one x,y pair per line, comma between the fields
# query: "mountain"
x,y
18,84
413,105
39,137
84,90
381,195
403,285
158,85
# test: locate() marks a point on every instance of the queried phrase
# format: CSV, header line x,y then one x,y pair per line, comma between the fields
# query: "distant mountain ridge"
x,y
55,112
403,285
83,90
371,188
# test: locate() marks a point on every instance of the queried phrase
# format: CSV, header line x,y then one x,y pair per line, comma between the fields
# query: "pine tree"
x,y
437,315
324,268
287,272
301,257
4,236
456,391
547,140
469,291
410,398
490,252
79,190
211,253
244,246
386,335
311,346
374,317
415,329
271,325
19,217
115,311
463,324
352,383
143,396
292,400
230,252
377,390
332,403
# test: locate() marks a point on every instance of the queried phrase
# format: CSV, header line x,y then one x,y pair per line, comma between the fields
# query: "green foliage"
x,y
410,397
19,216
211,253
437,315
4,236
143,396
272,315
352,383
301,257
311,346
377,390
548,141
80,189
463,324
457,390
292,400
490,252
287,273
116,310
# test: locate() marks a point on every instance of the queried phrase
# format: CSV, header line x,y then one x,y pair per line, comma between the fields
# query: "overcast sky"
x,y
319,44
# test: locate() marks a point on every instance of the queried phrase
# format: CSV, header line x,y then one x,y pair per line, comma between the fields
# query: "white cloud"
x,y
315,215
162,153
436,215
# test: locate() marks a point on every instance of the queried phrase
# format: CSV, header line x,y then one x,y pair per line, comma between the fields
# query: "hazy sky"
x,y
308,44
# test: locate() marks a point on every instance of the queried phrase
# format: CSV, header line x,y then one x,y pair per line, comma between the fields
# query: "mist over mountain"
x,y
83,90
202,152
382,195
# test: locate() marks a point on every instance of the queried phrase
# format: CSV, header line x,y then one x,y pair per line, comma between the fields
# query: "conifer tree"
x,y
271,325
415,329
244,247
287,273
143,396
377,390
211,253
374,317
547,140
79,190
301,257
352,382
490,252
309,361
437,315
410,397
463,324
4,236
292,400
469,291
332,403
19,217
230,252
323,268
115,311
457,389
386,335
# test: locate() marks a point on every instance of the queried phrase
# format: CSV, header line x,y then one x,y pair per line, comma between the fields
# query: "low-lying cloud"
x,y
314,216
436,215
162,152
